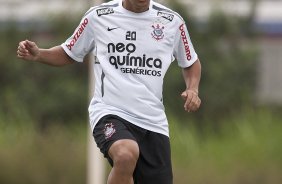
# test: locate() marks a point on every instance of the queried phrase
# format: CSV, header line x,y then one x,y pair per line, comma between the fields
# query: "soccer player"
x,y
134,42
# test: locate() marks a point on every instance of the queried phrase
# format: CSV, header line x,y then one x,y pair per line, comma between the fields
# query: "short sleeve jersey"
x,y
132,54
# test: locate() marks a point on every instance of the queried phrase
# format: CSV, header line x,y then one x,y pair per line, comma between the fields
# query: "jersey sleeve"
x,y
82,40
183,48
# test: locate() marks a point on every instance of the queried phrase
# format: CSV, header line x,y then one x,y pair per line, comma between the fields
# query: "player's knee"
x,y
125,160
125,154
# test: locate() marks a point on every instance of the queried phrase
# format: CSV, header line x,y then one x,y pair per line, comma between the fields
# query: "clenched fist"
x,y
192,100
28,50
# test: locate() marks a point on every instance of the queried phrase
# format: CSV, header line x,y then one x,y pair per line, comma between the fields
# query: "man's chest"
x,y
134,35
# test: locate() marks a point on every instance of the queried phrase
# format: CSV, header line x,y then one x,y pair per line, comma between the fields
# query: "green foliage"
x,y
228,57
47,94
35,101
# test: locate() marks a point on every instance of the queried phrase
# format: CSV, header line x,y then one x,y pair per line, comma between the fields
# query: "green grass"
x,y
56,155
245,149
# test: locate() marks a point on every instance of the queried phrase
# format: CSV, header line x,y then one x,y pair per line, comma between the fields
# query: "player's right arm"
x,y
55,56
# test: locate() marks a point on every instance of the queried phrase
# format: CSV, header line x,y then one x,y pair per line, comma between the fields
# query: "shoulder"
x,y
166,12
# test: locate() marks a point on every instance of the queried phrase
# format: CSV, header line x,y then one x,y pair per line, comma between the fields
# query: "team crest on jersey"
x,y
104,11
109,130
158,33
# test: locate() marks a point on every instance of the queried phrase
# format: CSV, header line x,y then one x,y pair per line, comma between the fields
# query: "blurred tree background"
x,y
43,110
229,69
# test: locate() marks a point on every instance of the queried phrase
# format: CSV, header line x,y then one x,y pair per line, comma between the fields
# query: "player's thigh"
x,y
110,130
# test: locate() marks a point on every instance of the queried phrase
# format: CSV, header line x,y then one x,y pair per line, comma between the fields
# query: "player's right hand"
x,y
28,50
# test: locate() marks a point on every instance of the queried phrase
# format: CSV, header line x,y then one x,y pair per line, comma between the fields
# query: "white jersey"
x,y
133,52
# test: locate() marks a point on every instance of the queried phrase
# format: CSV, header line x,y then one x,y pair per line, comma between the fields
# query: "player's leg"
x,y
124,154
119,146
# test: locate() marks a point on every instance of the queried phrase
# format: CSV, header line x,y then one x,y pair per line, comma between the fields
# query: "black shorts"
x,y
154,163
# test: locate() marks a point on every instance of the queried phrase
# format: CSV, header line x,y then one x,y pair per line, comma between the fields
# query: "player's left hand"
x,y
192,100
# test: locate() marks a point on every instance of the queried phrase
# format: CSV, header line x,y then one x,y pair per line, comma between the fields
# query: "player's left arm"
x,y
192,76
